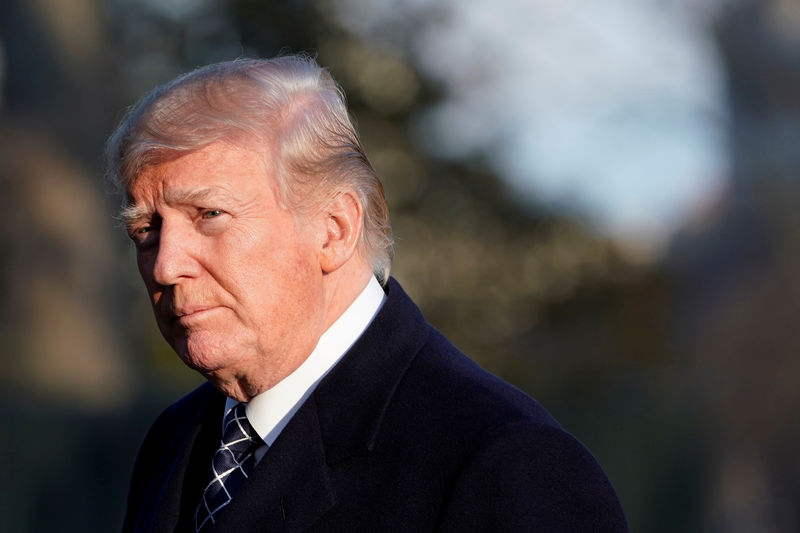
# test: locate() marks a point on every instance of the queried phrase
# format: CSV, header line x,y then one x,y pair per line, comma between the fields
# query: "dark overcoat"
x,y
404,434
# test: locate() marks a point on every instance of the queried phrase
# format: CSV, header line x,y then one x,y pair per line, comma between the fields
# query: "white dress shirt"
x,y
270,411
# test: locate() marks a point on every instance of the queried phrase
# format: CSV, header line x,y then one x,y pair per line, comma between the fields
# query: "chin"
x,y
205,357
231,389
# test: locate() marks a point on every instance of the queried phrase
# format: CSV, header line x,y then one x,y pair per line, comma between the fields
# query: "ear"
x,y
343,220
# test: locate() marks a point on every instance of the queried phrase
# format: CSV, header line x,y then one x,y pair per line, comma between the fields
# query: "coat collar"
x,y
353,397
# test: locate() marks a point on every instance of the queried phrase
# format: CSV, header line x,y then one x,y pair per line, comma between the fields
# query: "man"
x,y
263,239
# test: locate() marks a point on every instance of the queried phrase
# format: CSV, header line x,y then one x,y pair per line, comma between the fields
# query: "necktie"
x,y
230,466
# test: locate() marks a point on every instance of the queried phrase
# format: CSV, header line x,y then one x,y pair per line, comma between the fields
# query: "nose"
x,y
174,258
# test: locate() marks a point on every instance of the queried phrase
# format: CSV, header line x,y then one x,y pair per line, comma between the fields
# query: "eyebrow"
x,y
132,213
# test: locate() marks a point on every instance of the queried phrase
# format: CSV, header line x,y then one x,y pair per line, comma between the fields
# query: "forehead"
x,y
217,169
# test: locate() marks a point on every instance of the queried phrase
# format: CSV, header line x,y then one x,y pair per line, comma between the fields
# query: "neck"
x,y
341,288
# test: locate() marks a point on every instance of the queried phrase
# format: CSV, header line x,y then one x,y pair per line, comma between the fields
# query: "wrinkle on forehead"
x,y
200,195
164,184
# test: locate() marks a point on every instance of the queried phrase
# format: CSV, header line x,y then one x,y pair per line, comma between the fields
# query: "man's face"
x,y
234,279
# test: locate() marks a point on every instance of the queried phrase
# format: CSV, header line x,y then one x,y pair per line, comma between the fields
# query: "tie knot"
x,y
237,434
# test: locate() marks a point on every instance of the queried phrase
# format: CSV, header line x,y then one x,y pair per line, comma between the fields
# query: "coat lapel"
x,y
290,488
168,512
176,492
355,395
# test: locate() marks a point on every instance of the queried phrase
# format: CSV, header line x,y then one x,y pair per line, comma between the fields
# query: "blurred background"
x,y
595,200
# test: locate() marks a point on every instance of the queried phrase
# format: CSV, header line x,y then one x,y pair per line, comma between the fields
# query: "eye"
x,y
211,213
144,236
140,232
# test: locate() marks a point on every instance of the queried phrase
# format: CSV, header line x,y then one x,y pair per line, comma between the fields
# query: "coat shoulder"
x,y
458,385
513,465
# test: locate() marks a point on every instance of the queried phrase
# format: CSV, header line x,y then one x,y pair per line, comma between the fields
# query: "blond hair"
x,y
289,105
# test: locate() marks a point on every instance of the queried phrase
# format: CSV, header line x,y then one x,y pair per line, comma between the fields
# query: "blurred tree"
x,y
738,293
65,365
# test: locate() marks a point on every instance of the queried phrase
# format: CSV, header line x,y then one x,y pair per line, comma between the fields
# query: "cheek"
x,y
266,268
283,252
285,282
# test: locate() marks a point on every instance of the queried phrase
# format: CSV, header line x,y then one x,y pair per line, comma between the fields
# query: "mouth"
x,y
188,315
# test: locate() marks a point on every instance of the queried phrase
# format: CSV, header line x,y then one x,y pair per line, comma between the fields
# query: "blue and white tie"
x,y
230,466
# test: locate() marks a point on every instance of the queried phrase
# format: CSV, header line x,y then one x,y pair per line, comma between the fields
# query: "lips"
x,y
189,311
188,315
175,308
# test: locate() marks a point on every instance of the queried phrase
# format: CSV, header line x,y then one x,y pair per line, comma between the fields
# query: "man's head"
x,y
289,108
256,216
